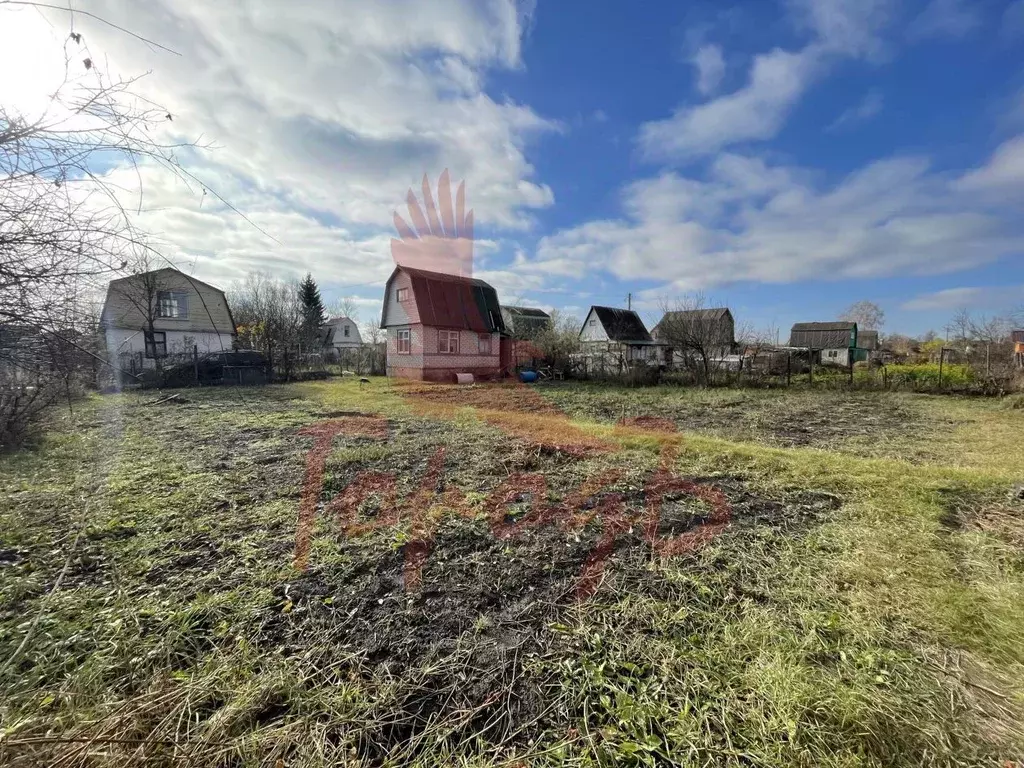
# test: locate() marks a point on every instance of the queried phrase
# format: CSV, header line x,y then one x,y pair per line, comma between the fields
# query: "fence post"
x,y
789,367
810,358
849,360
195,362
942,359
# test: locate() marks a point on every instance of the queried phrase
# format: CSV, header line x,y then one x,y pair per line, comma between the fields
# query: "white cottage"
x,y
340,333
164,312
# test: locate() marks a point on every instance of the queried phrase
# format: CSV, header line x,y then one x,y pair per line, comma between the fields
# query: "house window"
x,y
448,342
485,343
346,330
593,323
404,342
172,304
402,294
156,344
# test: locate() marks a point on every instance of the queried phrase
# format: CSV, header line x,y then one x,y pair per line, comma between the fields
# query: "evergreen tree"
x,y
313,315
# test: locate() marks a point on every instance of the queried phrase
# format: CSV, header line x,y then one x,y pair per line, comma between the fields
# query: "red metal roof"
x,y
452,301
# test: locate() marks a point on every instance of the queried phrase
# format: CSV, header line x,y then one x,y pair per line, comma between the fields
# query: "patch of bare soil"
x,y
485,601
840,418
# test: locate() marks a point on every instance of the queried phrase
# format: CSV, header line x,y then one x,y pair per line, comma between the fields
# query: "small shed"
x,y
836,341
1017,337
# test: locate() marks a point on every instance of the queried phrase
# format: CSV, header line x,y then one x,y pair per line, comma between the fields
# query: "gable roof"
x,y
450,301
115,286
530,312
711,315
829,335
338,319
621,324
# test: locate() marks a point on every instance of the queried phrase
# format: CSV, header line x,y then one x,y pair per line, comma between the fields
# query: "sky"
x,y
785,158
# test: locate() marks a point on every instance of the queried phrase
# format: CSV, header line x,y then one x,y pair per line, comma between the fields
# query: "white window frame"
x,y
175,303
444,342
403,335
402,294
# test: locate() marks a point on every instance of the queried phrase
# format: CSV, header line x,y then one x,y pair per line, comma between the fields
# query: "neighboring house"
x,y
524,322
439,325
613,337
836,342
340,333
1017,337
184,313
868,340
706,331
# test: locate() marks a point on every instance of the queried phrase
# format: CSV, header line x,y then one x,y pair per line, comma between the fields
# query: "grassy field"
x,y
568,575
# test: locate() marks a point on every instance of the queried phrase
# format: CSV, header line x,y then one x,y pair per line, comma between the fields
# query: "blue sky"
x,y
785,157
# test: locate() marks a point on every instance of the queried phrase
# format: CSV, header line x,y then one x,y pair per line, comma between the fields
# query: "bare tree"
x,y
559,340
268,315
344,307
866,314
699,336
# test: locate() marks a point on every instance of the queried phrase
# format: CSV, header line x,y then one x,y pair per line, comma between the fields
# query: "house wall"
x,y
400,312
593,329
123,343
340,340
425,363
840,356
207,306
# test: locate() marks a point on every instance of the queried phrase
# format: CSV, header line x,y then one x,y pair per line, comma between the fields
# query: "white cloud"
x,y
867,108
322,117
777,80
848,27
756,111
749,221
1002,173
710,65
945,18
976,297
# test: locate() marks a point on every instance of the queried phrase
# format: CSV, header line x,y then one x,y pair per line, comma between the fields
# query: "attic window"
x,y
593,322
402,294
346,330
173,304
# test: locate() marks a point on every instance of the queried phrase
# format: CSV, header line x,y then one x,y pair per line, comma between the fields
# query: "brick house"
x,y
439,325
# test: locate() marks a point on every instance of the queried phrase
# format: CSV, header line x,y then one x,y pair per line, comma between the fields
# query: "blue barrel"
x,y
527,377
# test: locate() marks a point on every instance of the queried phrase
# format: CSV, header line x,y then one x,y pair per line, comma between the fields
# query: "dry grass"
x,y
856,610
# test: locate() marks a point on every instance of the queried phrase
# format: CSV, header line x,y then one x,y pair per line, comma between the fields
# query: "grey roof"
x,y
830,335
531,312
719,315
621,324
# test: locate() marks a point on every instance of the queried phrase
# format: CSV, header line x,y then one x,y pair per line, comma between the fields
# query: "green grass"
x,y
882,632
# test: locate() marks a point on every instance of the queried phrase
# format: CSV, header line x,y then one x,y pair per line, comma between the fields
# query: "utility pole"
x,y
629,300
